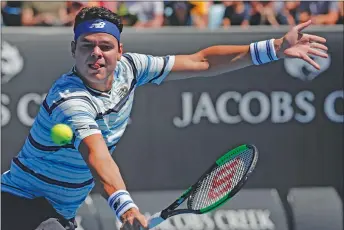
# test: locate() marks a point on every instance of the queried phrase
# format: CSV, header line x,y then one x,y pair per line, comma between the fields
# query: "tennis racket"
x,y
216,186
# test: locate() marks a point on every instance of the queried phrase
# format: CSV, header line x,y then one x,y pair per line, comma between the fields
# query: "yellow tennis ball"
x,y
61,134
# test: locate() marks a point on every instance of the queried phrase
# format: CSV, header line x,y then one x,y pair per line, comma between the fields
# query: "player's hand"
x,y
133,220
299,45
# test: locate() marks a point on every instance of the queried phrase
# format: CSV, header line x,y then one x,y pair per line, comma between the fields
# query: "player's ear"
x,y
72,48
120,51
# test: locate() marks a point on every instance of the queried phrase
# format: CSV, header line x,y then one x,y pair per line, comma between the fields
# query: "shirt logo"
x,y
98,25
122,91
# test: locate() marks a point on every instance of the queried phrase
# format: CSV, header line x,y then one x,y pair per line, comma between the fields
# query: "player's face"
x,y
96,57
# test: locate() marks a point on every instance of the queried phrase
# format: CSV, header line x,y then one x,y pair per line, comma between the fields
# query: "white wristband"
x,y
121,202
263,52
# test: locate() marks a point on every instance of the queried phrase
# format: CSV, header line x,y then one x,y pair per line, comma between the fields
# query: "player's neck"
x,y
102,87
105,86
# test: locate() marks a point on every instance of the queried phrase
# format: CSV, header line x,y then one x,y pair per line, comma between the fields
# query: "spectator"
x,y
321,12
177,13
11,13
280,11
73,8
215,15
341,13
89,3
269,14
256,12
149,14
111,5
45,14
127,18
291,12
236,13
199,13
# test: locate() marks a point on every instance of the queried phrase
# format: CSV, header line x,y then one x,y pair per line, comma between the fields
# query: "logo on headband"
x,y
98,25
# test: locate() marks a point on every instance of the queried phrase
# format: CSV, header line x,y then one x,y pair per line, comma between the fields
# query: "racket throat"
x,y
165,214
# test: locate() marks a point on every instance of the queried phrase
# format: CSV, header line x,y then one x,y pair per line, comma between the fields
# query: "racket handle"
x,y
154,220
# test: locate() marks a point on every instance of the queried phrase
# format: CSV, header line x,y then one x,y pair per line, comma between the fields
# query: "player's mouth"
x,y
95,66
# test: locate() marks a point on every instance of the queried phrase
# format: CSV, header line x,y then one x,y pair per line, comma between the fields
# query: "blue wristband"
x,y
121,202
263,52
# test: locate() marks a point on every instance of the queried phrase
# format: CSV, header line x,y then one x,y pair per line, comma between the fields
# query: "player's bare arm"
x,y
96,154
219,59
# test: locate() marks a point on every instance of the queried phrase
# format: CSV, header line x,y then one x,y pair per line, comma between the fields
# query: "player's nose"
x,y
97,53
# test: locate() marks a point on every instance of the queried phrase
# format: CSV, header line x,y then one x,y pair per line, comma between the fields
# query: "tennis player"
x,y
95,99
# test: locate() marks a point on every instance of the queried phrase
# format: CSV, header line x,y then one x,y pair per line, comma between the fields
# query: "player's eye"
x,y
106,47
87,46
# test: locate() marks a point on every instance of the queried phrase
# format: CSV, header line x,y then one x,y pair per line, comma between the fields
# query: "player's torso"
x,y
60,173
110,111
114,108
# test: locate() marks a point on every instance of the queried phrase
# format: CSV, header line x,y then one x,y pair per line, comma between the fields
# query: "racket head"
x,y
223,180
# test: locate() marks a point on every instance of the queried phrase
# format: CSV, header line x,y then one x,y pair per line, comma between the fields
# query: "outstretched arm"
x,y
79,113
97,156
216,60
212,61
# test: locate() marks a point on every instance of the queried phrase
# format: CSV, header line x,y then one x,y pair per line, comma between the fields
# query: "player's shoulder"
x,y
131,58
68,85
129,62
135,61
70,81
129,55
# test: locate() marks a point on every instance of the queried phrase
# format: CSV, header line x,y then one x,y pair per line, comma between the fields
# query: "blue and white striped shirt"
x,y
59,173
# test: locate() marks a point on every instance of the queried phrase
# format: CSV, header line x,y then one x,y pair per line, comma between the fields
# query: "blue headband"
x,y
96,26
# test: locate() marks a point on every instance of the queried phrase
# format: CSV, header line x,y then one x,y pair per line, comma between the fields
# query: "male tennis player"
x,y
95,99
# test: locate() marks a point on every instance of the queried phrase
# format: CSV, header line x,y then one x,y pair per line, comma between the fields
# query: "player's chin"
x,y
99,77
99,73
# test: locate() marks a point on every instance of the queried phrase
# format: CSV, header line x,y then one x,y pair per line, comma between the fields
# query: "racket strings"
x,y
221,181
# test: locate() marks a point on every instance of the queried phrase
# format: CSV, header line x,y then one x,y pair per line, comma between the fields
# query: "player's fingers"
x,y
129,220
306,58
134,225
319,46
315,38
127,226
317,53
142,220
302,26
138,225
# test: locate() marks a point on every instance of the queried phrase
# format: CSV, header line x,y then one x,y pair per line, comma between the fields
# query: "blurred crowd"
x,y
210,14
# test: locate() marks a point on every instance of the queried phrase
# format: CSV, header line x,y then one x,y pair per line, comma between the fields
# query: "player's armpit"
x,y
96,154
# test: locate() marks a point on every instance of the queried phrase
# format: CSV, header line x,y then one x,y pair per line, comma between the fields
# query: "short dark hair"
x,y
89,13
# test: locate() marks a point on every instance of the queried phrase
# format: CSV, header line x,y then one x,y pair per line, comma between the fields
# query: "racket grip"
x,y
154,220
